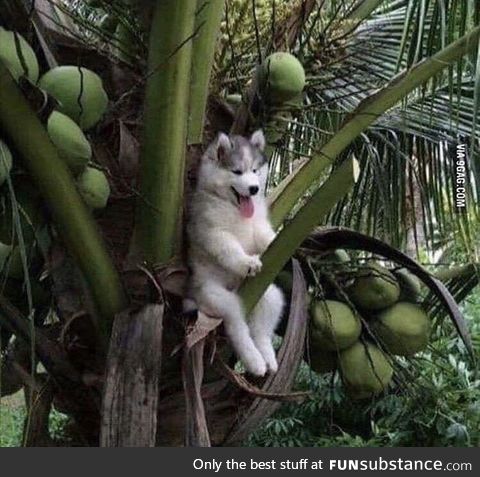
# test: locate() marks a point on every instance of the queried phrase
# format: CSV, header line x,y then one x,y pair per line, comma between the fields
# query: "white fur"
x,y
226,247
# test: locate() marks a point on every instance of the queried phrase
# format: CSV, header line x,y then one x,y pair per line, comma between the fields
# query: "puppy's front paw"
x,y
254,265
264,345
256,365
272,365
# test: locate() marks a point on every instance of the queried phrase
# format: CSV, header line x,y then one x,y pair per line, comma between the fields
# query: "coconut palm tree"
x,y
367,149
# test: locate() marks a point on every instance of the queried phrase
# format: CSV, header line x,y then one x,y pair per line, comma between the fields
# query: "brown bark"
x,y
196,431
129,414
39,400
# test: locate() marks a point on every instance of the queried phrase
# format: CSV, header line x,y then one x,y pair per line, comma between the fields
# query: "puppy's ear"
x,y
257,139
224,146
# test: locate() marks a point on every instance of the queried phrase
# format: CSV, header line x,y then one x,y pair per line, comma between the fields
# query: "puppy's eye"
x,y
237,172
255,171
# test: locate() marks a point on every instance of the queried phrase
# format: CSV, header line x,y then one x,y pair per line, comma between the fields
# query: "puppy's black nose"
x,y
253,190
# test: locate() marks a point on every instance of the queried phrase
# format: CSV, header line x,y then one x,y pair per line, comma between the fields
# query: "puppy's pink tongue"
x,y
246,206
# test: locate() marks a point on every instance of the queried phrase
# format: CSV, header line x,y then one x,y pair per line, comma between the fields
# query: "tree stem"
x,y
207,24
160,208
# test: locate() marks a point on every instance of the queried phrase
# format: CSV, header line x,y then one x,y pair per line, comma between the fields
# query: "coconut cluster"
x,y
359,331
81,102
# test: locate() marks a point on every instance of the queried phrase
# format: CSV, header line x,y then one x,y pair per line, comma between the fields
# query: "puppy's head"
x,y
231,168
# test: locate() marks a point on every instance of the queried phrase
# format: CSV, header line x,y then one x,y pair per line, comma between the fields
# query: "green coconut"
x,y
70,141
281,77
79,91
12,57
333,326
365,370
5,162
93,187
374,288
322,361
341,256
403,329
410,285
337,256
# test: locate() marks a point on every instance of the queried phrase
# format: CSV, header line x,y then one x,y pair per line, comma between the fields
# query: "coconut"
x,y
341,256
5,162
322,361
374,288
365,370
70,141
281,77
12,53
337,256
402,329
410,285
79,92
93,187
333,326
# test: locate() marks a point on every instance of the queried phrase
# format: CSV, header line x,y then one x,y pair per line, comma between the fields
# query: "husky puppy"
x,y
228,230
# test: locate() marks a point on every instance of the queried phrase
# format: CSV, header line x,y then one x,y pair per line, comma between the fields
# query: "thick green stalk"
x,y
293,234
364,115
72,219
165,129
207,26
